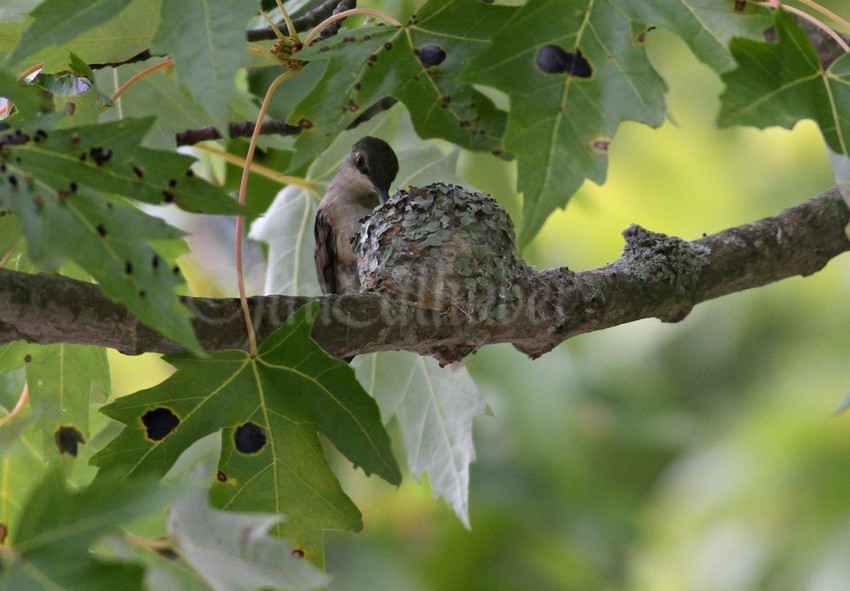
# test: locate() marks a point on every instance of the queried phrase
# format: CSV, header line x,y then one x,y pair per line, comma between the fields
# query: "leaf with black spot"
x,y
573,75
109,157
417,64
107,238
60,394
270,410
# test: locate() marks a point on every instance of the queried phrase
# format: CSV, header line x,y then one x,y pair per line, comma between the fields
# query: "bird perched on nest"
x,y
362,183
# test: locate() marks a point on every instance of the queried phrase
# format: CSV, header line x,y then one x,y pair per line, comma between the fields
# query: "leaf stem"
x,y
240,220
257,168
30,70
346,13
139,76
19,407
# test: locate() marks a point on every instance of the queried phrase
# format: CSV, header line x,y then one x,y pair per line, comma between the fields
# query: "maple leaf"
x,y
271,409
574,71
418,64
782,82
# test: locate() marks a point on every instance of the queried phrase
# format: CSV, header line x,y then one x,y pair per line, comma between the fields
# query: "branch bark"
x,y
656,277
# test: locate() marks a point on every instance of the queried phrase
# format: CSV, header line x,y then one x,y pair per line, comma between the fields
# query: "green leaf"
x,y
562,120
62,393
125,35
63,220
271,408
59,21
51,545
207,41
59,392
233,551
418,64
109,157
782,82
75,93
434,407
706,26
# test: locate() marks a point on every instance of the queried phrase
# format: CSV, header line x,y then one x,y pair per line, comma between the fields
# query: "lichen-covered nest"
x,y
445,249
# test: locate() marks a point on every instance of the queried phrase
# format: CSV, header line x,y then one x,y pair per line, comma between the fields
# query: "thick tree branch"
x,y
656,277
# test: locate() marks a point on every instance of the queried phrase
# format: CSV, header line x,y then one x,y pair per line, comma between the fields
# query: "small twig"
x,y
309,20
139,57
333,28
190,137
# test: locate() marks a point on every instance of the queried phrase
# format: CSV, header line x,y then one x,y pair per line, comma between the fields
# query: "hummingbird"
x,y
362,183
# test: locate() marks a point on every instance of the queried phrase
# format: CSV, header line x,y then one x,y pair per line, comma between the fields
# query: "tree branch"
x,y
656,277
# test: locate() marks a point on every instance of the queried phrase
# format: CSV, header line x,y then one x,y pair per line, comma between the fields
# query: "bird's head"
x,y
372,160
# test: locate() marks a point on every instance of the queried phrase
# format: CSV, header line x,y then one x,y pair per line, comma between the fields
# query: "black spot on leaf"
x,y
388,46
172,183
431,55
249,438
27,358
168,197
128,268
159,423
4,531
138,172
740,5
155,262
221,476
297,553
167,552
552,59
100,156
101,230
73,187
305,123
352,106
67,438
175,270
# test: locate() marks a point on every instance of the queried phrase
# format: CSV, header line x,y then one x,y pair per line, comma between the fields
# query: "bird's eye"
x,y
360,163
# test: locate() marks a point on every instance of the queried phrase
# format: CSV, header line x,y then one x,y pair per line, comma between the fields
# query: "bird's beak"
x,y
382,194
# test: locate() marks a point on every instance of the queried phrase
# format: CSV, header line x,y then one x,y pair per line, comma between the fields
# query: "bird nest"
x,y
443,248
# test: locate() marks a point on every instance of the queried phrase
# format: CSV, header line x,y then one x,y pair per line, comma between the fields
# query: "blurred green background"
x,y
702,455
